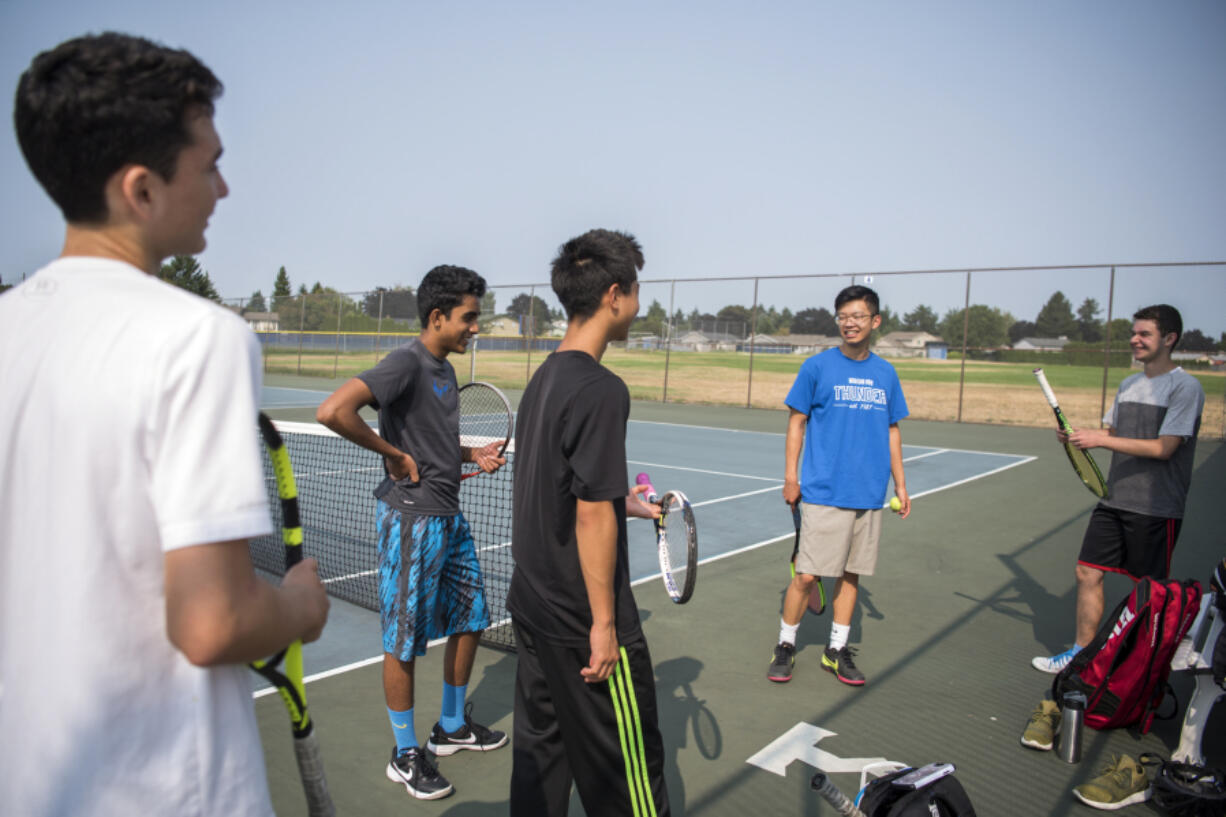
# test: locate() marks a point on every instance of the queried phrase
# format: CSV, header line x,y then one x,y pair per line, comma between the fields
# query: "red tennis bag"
x,y
1123,671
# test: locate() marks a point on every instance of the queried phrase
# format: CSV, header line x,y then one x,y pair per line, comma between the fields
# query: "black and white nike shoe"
x,y
417,773
471,735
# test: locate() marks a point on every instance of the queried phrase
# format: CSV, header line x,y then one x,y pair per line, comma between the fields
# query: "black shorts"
x,y
1130,543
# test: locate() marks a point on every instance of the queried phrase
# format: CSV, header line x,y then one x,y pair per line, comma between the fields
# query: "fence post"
x,y
336,352
379,328
1102,403
668,343
753,331
528,333
966,323
301,323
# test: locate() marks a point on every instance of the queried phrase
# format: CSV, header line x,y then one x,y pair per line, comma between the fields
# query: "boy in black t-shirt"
x,y
585,705
430,582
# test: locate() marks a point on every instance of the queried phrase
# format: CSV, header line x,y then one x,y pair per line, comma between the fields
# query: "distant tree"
x,y
890,322
785,320
302,290
1121,331
4,286
523,306
814,322
1088,326
1056,318
1021,329
317,289
1194,340
280,289
653,322
489,304
986,328
184,272
256,304
398,303
921,319
735,320
1221,344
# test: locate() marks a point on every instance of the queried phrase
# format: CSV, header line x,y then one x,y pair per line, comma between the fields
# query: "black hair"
x,y
1166,316
858,293
588,265
444,288
94,104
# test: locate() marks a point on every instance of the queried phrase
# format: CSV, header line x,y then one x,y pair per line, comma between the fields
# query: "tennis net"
x,y
336,481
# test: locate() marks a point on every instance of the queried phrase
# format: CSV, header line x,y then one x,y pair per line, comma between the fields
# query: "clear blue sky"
x,y
366,142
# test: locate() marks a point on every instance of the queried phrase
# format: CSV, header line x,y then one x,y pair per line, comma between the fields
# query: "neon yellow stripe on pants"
x,y
630,733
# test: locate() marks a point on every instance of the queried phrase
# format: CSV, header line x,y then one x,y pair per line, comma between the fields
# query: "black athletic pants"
x,y
603,737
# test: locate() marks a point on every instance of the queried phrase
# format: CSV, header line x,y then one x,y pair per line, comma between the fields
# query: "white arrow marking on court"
x,y
800,743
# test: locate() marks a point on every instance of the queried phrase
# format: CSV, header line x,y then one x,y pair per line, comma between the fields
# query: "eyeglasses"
x,y
862,318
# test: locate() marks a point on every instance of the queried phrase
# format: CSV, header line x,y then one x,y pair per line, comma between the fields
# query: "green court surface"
x,y
977,581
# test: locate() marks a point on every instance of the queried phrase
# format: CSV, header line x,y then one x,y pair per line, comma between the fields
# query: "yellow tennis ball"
x,y
895,505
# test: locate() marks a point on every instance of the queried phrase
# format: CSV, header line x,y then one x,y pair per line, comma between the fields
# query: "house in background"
x,y
263,321
810,344
1042,344
909,344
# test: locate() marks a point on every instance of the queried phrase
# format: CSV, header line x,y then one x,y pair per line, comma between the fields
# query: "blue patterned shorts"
x,y
429,580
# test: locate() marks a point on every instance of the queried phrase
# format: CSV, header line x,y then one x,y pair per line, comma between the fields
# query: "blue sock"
x,y
452,717
402,728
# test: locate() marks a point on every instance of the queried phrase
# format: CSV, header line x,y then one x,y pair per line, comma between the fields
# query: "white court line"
x,y
699,470
929,454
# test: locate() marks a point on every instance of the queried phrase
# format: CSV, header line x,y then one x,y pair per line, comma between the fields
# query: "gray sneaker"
x,y
781,665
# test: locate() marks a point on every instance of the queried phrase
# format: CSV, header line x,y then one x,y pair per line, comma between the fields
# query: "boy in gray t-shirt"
x,y
1151,431
430,583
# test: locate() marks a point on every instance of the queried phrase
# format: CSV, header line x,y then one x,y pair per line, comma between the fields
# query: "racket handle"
x,y
822,785
1046,387
311,770
651,495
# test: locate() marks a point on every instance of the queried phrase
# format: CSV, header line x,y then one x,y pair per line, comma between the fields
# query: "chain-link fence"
x,y
964,342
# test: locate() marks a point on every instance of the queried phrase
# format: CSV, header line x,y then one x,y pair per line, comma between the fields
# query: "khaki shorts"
x,y
838,540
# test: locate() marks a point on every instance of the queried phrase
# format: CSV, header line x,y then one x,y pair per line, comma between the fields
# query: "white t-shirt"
x,y
127,429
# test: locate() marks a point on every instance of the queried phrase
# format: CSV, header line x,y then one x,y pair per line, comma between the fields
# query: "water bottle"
x,y
1071,725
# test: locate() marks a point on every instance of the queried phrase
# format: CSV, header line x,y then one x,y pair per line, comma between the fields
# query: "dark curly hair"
x,y
444,287
588,265
94,104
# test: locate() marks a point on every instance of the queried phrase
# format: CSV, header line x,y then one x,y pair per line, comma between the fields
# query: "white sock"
x,y
787,632
838,636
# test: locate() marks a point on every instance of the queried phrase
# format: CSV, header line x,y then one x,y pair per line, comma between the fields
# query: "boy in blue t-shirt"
x,y
847,401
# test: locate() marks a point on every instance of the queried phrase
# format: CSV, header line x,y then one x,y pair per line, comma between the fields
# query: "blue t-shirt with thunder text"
x,y
851,405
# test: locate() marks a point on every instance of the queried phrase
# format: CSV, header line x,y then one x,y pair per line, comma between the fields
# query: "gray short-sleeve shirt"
x,y
1146,408
419,413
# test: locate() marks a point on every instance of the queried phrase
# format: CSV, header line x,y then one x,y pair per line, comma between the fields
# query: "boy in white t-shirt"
x,y
130,477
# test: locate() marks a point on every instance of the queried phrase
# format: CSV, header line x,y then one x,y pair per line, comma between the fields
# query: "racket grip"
x,y
1046,387
651,496
314,784
822,785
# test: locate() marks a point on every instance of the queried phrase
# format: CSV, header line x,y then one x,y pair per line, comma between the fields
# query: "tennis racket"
x,y
676,541
289,682
817,596
485,420
1082,462
831,794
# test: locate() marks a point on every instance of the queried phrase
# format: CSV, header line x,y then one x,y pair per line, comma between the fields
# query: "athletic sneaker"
x,y
1056,662
471,735
1122,782
839,662
417,772
781,666
1043,726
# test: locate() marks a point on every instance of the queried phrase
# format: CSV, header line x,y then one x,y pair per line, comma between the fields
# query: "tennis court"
x,y
977,581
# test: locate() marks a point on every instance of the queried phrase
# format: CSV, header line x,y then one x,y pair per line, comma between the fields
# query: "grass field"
x,y
999,393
